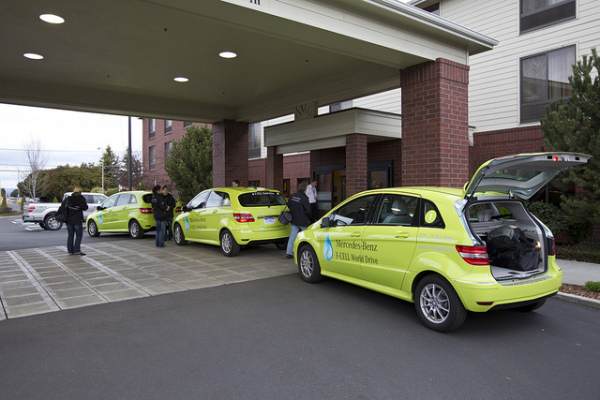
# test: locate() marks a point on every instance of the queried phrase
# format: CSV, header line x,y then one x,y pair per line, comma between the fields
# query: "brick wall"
x,y
356,163
230,153
504,142
435,145
296,167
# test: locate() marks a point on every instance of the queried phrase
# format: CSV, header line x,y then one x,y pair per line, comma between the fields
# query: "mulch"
x,y
580,291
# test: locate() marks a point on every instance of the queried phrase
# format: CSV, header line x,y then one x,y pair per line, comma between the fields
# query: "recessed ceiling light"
x,y
52,19
228,54
33,56
181,79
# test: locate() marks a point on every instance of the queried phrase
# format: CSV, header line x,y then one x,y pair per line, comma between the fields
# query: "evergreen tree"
x,y
111,167
189,163
574,125
136,168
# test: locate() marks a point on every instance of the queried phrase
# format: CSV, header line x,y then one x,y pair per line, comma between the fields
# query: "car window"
x,y
110,202
398,210
217,199
89,198
99,199
132,199
261,199
123,199
430,216
199,199
355,212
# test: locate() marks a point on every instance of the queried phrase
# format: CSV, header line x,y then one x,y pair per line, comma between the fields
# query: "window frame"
x,y
370,215
522,120
151,160
547,24
151,127
123,195
416,219
207,192
224,196
421,223
169,128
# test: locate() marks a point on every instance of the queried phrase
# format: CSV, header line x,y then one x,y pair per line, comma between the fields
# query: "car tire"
x,y
135,230
281,245
532,306
178,235
229,247
43,226
51,223
92,229
308,265
437,304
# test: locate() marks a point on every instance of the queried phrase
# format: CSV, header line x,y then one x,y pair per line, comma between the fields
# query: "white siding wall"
x,y
389,101
494,76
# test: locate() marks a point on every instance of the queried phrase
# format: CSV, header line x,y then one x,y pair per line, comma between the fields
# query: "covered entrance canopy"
x,y
121,57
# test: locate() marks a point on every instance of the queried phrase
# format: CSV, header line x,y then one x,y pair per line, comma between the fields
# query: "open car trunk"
x,y
516,243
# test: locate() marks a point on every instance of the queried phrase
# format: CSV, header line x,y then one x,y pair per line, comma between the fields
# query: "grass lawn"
x,y
588,252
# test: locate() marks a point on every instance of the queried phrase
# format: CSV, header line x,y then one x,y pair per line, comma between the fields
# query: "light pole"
x,y
129,161
102,168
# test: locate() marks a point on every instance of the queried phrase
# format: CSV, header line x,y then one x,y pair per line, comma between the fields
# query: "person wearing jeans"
x,y
73,207
301,216
159,209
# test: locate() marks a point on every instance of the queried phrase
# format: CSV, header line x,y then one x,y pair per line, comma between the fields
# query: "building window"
x,y
434,8
544,80
540,13
151,157
255,141
187,124
151,127
168,125
168,147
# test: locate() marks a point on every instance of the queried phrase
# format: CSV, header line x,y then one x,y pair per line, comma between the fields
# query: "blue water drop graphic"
x,y
186,222
328,249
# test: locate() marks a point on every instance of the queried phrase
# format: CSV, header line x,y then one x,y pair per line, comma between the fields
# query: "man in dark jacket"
x,y
159,209
171,203
301,216
73,207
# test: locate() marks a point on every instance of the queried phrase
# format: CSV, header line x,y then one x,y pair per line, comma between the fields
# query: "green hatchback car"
x,y
233,217
123,212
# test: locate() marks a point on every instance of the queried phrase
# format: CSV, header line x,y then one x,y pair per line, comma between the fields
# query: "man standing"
x,y
170,203
159,209
301,216
73,207
311,193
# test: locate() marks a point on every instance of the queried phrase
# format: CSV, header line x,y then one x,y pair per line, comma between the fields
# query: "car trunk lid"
x,y
521,175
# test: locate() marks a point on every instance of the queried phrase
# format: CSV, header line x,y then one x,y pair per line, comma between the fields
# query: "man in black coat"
x,y
73,207
159,209
171,203
301,216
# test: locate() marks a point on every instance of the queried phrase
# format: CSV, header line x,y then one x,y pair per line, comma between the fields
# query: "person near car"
x,y
170,203
73,208
311,193
301,216
159,209
235,183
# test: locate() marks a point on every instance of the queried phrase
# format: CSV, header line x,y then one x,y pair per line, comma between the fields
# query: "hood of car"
x,y
521,175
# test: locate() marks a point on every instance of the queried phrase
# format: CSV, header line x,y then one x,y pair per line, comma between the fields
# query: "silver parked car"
x,y
44,214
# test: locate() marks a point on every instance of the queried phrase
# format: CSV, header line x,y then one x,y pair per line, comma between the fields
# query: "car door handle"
x,y
355,234
401,235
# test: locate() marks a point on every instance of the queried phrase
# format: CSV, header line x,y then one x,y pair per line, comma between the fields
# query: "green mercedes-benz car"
x,y
233,217
123,212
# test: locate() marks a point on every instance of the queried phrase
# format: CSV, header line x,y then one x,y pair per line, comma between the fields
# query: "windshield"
x,y
261,199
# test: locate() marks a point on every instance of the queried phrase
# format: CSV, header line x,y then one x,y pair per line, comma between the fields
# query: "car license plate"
x,y
269,220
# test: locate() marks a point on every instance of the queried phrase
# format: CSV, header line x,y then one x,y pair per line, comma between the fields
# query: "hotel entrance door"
x,y
332,187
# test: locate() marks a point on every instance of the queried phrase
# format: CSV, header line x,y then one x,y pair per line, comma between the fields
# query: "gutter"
x,y
436,21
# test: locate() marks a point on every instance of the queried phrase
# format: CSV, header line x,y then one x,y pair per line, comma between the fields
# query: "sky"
x,y
65,136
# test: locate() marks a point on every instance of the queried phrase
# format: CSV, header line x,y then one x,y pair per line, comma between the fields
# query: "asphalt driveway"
x,y
280,338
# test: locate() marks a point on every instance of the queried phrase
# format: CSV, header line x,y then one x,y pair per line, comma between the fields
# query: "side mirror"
x,y
99,208
201,205
186,208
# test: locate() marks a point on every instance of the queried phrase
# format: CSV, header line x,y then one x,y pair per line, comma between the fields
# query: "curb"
x,y
573,298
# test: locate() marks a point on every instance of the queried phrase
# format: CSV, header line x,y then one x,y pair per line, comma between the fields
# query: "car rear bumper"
x,y
32,218
481,297
249,236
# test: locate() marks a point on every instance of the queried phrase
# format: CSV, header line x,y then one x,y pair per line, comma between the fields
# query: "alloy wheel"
x,y
226,242
434,303
306,263
177,234
134,229
52,223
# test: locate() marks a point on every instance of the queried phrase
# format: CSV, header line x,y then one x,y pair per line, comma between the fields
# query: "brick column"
x,y
274,169
356,163
435,123
230,152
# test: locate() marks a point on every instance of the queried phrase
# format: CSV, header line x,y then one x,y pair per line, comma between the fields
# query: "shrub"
x,y
585,251
551,216
593,286
111,191
96,189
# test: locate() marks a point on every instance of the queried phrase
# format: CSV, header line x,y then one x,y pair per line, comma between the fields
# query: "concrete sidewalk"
x,y
578,272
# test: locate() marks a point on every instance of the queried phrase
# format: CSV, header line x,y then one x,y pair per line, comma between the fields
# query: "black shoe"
x,y
80,253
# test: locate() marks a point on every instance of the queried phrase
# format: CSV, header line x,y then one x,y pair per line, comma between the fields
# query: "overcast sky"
x,y
66,137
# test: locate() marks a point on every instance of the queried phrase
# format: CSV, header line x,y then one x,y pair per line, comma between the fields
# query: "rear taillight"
x,y
243,217
30,209
551,246
474,255
146,210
